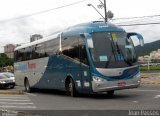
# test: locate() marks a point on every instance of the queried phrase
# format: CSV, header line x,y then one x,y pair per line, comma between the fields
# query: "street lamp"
x,y
96,10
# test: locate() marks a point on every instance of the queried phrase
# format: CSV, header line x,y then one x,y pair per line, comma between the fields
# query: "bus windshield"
x,y
112,50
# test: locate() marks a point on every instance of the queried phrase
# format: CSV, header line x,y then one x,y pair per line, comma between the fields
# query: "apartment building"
x,y
9,50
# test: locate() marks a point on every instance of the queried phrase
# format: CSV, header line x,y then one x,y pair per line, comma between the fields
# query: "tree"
x,y
5,61
110,14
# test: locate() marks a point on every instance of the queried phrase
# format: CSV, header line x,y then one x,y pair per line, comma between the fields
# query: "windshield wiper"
x,y
121,54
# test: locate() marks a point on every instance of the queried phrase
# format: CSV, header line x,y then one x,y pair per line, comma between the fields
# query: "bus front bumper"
x,y
105,86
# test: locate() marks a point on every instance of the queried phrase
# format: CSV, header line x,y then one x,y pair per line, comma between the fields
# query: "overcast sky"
x,y
16,28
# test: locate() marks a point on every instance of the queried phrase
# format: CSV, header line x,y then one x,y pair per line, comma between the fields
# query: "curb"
x,y
16,92
151,83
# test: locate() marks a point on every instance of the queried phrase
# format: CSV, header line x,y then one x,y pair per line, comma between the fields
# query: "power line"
x,y
136,17
41,12
145,20
140,24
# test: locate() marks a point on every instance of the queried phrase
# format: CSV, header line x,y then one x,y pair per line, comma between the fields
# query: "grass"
x,y
151,68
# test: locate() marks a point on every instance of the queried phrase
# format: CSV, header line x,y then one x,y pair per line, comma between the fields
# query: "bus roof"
x,y
90,27
37,41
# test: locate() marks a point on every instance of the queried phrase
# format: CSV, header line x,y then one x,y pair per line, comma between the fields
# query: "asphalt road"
x,y
146,97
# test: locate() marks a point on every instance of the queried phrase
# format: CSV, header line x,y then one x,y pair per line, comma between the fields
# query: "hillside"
x,y
147,48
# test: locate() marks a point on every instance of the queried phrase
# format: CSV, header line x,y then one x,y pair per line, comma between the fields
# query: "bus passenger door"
x,y
85,70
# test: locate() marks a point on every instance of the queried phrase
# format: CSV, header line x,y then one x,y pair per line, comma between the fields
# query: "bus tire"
x,y
70,88
110,93
27,86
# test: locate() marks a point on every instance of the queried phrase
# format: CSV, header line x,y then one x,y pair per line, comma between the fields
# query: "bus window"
x,y
15,56
70,47
82,51
22,51
34,53
83,55
40,49
27,54
52,47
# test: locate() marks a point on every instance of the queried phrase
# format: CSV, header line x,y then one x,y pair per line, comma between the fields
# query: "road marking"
x,y
146,90
157,96
31,94
19,107
135,101
16,102
12,98
9,95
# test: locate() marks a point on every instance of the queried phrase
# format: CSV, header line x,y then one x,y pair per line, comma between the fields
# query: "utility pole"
x,y
105,11
103,5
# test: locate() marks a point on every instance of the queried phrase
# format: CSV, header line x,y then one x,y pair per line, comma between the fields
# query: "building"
x,y
35,37
153,56
9,50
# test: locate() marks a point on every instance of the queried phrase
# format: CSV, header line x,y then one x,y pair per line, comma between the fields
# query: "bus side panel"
x,y
33,70
54,75
73,70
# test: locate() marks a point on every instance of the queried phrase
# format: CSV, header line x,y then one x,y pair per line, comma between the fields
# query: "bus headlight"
x,y
98,79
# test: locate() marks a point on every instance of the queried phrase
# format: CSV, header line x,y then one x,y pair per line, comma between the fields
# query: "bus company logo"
x,y
31,65
103,26
22,67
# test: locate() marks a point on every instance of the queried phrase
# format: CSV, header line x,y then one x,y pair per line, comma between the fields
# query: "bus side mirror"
x,y
90,42
139,36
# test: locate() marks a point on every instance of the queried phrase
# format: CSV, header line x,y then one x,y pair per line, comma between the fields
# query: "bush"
x,y
145,68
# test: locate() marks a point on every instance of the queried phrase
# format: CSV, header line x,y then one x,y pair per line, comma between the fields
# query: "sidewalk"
x,y
17,91
150,78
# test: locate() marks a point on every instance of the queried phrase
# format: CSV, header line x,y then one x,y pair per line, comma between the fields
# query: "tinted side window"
x,y
70,47
52,46
37,51
34,53
16,56
40,50
83,52
22,54
83,55
27,54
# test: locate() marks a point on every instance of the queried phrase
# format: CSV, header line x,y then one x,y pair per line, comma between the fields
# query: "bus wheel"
x,y
27,86
110,93
70,88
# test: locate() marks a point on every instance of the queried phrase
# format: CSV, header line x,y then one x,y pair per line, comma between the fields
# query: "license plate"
x,y
121,83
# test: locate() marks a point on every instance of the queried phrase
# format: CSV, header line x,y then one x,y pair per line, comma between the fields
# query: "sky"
x,y
20,19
